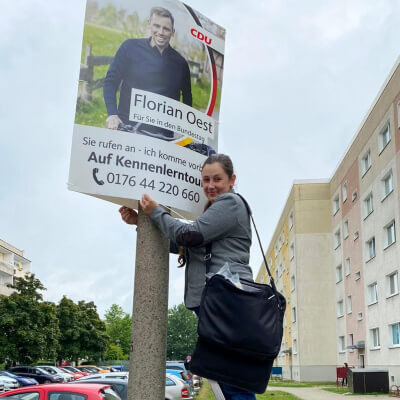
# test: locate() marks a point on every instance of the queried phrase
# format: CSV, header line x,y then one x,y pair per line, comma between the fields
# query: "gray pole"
x,y
150,309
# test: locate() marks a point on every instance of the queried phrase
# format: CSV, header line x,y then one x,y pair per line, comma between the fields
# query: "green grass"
x,y
207,394
105,42
345,390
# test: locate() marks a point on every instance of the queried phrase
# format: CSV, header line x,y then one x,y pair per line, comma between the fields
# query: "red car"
x,y
76,370
75,375
63,391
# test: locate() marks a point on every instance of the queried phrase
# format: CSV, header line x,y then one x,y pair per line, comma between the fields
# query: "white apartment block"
x,y
13,264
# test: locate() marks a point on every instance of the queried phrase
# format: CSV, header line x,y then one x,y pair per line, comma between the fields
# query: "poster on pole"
x,y
148,102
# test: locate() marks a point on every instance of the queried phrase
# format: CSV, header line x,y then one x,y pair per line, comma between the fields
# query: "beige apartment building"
x,y
13,264
344,257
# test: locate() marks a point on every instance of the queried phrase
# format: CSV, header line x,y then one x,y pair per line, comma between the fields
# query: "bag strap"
x,y
271,279
207,257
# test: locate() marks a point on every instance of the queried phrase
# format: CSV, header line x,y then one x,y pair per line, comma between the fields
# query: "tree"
x,y
28,326
70,328
93,336
182,332
119,328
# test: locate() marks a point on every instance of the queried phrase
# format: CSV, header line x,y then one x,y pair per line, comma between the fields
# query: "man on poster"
x,y
149,64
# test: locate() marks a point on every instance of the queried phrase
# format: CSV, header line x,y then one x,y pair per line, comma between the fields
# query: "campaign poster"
x,y
148,102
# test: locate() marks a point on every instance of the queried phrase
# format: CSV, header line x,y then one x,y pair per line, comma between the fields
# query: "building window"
x,y
375,340
339,273
347,266
344,192
351,339
291,251
293,314
294,346
336,205
390,234
342,346
359,316
292,283
291,221
356,235
398,115
373,293
349,305
346,229
384,137
280,270
340,312
358,275
393,283
387,182
366,162
368,205
370,244
337,239
395,334
354,195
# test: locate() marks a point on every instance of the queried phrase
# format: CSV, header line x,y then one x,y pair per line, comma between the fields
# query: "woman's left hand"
x,y
148,204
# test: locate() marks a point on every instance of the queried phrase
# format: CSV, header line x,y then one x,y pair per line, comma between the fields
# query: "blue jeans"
x,y
231,392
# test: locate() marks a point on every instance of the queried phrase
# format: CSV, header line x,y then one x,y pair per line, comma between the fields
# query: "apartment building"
x,y
299,257
13,264
364,254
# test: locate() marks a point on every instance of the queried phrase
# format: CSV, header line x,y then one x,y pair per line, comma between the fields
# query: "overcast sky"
x,y
299,78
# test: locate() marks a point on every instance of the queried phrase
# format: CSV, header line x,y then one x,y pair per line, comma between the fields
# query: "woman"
x,y
225,223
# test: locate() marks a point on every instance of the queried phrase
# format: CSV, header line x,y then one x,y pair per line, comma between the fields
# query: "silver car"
x,y
106,375
52,370
176,388
9,383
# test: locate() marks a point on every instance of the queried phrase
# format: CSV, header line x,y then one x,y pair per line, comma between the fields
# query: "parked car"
x,y
186,374
37,373
95,368
197,382
1,387
88,370
22,381
63,391
9,383
51,369
108,375
175,388
75,375
75,370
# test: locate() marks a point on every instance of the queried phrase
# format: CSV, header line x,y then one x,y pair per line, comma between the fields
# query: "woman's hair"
x,y
223,160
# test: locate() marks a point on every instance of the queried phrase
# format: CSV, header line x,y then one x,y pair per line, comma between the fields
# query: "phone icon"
x,y
97,180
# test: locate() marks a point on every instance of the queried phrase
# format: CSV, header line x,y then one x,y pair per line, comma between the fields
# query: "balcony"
x,y
6,268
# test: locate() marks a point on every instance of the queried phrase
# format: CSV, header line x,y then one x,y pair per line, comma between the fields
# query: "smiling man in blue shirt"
x,y
148,64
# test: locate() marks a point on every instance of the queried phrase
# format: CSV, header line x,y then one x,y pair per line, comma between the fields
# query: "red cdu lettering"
x,y
200,36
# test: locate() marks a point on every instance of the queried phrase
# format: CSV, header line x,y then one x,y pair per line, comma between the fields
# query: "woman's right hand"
x,y
128,215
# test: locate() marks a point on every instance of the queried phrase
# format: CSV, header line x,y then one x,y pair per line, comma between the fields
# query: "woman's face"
x,y
216,181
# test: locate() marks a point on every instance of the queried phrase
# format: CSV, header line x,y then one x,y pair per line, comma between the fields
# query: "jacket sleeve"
x,y
113,80
217,222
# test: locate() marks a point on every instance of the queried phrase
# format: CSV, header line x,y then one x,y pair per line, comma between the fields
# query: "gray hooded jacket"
x,y
226,223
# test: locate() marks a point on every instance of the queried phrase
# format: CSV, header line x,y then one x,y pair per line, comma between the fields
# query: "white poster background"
x,y
154,109
118,166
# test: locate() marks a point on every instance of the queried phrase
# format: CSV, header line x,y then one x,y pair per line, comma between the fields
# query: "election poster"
x,y
148,103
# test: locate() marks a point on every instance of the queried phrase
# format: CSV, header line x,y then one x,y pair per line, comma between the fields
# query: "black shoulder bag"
x,y
240,330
